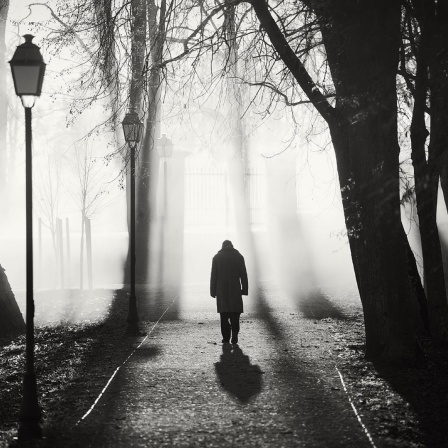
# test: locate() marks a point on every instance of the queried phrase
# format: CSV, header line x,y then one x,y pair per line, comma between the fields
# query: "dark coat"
x,y
228,280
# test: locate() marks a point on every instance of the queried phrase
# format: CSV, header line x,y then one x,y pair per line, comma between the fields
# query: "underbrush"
x,y
400,407
72,363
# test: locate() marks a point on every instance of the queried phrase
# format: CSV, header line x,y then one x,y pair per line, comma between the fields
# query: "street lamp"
x,y
28,68
132,129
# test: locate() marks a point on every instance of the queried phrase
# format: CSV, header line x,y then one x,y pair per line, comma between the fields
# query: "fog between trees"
x,y
216,76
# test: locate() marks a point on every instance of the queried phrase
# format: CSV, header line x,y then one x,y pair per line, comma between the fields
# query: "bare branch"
x,y
293,62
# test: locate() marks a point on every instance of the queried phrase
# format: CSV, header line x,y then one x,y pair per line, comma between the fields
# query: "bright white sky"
x,y
316,177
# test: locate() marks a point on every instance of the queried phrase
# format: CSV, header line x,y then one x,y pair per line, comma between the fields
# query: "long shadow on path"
x,y
109,347
316,305
237,375
319,413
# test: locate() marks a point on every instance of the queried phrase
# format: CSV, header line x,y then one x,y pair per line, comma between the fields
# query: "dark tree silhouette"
x,y
4,7
424,47
362,47
11,319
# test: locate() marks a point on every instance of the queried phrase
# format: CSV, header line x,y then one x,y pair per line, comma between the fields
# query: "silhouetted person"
x,y
228,283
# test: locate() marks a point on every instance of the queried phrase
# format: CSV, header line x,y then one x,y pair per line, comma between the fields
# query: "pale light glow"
x,y
28,101
290,234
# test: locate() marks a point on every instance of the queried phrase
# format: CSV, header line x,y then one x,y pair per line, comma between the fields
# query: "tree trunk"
x,y
416,282
60,246
147,169
364,243
426,178
11,319
89,253
81,255
438,84
426,173
362,45
4,6
68,258
146,180
444,173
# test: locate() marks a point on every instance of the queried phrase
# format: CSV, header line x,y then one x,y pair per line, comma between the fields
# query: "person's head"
x,y
227,243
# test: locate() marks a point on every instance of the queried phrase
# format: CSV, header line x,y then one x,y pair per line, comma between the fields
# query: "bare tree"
x,y
117,59
93,195
48,192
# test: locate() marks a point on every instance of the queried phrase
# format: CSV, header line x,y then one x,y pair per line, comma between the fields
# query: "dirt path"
x,y
278,388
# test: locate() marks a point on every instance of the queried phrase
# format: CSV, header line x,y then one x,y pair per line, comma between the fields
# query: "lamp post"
x,y
132,128
28,68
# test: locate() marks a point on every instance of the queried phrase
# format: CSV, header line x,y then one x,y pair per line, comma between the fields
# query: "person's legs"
x,y
235,324
225,327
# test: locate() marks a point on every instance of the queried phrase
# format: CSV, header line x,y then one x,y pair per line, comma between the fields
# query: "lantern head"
x,y
132,127
28,69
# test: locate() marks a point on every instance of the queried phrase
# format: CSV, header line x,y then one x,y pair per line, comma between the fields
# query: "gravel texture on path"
x,y
182,387
280,387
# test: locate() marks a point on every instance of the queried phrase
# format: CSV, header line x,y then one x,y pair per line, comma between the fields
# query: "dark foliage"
x,y
73,362
11,319
400,407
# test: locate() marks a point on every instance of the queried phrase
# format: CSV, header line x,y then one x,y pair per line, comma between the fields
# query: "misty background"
x,y
286,216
